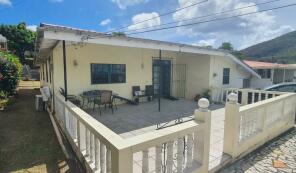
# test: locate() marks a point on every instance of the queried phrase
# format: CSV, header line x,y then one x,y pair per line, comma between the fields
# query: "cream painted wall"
x,y
197,79
237,74
79,78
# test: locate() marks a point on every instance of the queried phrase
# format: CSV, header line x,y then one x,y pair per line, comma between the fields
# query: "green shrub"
x,y
10,73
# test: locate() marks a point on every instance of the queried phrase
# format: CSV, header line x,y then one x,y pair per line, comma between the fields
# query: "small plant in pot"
x,y
204,94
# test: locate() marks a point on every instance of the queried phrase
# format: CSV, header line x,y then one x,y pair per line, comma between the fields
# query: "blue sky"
x,y
105,15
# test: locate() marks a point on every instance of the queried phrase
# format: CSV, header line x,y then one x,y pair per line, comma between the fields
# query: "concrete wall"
x,y
197,79
200,69
260,83
237,74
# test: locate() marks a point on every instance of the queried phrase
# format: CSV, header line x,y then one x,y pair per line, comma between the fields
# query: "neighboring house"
x,y
271,73
101,61
3,42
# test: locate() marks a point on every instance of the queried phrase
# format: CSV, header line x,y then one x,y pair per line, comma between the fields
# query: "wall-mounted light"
x,y
214,75
75,63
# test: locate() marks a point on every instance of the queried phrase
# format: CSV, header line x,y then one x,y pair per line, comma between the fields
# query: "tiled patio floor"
x,y
132,120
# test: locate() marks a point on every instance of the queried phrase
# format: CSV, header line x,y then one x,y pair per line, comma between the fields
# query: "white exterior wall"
x,y
260,83
237,74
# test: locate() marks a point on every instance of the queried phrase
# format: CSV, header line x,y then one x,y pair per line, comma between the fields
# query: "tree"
x,y
118,34
226,46
20,39
10,73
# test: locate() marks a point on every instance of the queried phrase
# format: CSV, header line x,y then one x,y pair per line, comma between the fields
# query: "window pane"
x,y
226,75
118,73
107,73
99,73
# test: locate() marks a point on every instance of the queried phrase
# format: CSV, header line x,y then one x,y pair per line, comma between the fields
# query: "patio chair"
x,y
105,99
137,93
74,99
149,92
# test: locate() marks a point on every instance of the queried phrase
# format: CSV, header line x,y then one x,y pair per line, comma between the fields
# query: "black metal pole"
x,y
160,80
65,69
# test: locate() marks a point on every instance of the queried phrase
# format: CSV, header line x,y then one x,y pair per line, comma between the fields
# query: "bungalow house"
x,y
271,73
177,138
80,60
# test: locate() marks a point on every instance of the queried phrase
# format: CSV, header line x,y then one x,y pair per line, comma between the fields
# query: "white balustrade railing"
x,y
249,96
180,148
249,126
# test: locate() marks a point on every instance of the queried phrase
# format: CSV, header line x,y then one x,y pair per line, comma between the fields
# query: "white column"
x,y
201,146
231,125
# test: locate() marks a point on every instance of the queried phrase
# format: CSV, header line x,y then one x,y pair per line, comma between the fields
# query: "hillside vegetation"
x,y
281,49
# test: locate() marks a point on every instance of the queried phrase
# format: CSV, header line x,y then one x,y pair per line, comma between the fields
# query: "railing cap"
x,y
232,97
203,104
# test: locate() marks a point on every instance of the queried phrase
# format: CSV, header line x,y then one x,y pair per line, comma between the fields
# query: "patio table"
x,y
92,97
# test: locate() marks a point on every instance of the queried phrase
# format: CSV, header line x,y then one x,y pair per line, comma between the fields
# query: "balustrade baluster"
x,y
259,96
145,161
180,155
253,97
189,150
158,159
97,151
78,135
91,146
102,157
170,154
86,142
108,158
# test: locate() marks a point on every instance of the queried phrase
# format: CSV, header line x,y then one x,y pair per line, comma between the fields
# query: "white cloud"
x,y
56,0
155,20
5,2
32,27
242,31
123,4
105,22
208,42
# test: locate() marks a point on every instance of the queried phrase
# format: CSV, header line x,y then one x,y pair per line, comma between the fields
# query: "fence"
x,y
252,125
249,96
180,148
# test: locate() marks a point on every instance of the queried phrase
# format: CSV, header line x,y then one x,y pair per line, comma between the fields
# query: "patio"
x,y
132,120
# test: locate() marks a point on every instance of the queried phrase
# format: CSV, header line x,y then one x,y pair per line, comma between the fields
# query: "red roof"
x,y
259,64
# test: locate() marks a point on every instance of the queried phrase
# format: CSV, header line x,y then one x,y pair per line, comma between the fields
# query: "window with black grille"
x,y
108,73
226,76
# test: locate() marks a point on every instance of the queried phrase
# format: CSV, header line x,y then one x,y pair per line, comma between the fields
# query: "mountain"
x,y
281,49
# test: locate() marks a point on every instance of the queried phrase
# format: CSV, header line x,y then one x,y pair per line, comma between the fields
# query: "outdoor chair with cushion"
x,y
105,98
137,93
149,92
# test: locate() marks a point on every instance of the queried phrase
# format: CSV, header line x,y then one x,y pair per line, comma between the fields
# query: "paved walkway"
x,y
281,151
27,139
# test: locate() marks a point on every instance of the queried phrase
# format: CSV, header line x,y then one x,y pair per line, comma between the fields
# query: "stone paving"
x,y
282,150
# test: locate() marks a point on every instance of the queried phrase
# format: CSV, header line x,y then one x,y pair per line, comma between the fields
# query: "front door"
x,y
162,77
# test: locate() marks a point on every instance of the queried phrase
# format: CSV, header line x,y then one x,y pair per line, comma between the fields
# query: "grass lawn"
x,y
27,139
